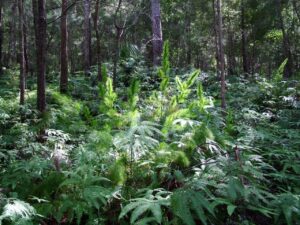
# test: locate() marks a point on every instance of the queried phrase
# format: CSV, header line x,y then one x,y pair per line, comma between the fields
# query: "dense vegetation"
x,y
125,142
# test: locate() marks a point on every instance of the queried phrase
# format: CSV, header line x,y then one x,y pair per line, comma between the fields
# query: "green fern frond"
x,y
190,205
152,202
133,93
278,76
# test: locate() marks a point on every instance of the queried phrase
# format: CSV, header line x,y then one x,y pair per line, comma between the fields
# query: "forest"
x,y
149,112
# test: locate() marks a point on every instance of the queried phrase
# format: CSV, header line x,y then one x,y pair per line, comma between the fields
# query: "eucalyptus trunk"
x,y
87,36
98,41
157,36
221,53
41,38
288,71
246,68
64,48
22,52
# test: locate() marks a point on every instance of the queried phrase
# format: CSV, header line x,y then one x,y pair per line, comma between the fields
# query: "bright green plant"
x,y
164,71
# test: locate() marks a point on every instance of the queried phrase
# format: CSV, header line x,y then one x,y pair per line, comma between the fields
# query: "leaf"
x,y
193,76
137,212
128,208
230,209
145,221
156,211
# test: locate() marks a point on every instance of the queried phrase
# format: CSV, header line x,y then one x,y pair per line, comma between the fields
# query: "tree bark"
x,y
12,37
35,27
41,55
216,35
221,53
244,40
25,46
98,41
64,48
87,36
157,36
119,32
288,71
1,38
22,52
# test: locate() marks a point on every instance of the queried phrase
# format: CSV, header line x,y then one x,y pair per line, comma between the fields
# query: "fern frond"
x,y
17,209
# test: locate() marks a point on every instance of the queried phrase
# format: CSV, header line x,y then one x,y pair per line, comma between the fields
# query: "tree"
x,y
119,32
87,36
64,48
244,40
285,41
41,55
22,52
12,34
157,36
98,43
1,38
220,54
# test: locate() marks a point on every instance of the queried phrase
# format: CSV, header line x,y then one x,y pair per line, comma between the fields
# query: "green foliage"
x,y
133,94
181,159
184,87
164,71
278,75
139,139
117,172
155,156
150,206
189,205
104,73
287,205
108,98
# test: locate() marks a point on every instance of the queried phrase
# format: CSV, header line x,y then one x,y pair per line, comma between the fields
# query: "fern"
x,y
164,71
190,205
133,94
104,73
16,210
109,97
140,138
152,202
278,75
184,87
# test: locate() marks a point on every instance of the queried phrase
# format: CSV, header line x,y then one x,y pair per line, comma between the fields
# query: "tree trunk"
x,y
286,43
98,41
41,56
231,58
221,53
119,32
22,52
87,36
26,48
216,35
12,37
244,40
64,48
1,39
157,37
35,27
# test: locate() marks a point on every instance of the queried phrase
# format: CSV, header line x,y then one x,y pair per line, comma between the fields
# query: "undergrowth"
x,y
154,154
